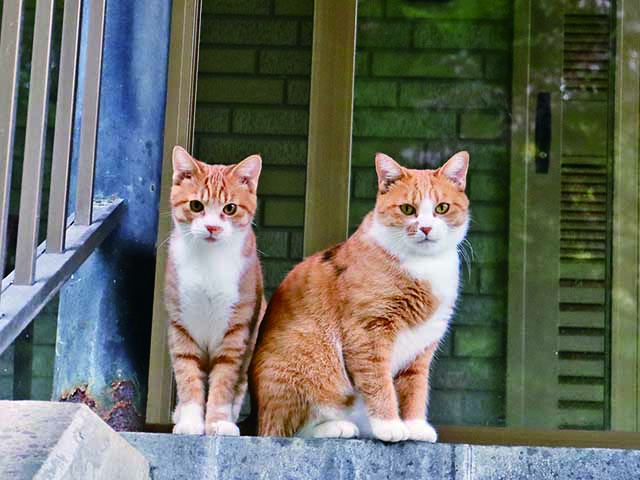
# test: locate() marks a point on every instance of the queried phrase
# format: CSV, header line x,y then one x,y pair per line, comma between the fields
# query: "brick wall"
x,y
433,78
253,88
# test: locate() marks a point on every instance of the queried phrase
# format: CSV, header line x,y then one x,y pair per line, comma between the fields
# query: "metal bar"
x,y
90,110
179,118
31,190
330,124
9,71
22,303
59,192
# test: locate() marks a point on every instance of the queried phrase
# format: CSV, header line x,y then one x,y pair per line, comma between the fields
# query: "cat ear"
x,y
388,170
248,171
184,165
456,169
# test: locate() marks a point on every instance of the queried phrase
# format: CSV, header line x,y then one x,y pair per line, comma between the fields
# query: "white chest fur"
x,y
208,286
442,272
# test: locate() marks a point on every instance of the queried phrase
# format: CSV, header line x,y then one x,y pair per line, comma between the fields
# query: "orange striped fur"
x,y
213,290
348,337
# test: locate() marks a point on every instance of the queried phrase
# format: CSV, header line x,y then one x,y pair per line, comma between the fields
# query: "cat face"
x,y
213,203
422,211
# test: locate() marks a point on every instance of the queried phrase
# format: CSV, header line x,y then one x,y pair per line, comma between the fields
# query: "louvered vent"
x,y
584,231
586,55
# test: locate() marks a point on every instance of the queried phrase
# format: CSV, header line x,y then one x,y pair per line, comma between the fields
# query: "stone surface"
x,y
250,458
46,440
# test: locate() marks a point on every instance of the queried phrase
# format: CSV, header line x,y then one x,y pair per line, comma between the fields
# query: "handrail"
x,y
38,273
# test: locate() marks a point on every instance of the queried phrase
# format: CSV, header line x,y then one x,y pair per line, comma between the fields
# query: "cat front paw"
x,y
389,430
223,428
421,431
189,426
335,429
189,419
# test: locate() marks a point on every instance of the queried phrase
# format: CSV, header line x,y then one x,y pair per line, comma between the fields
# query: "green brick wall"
x,y
433,78
253,95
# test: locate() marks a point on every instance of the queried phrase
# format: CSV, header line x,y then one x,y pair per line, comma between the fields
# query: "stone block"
x,y
273,121
287,182
464,35
453,94
428,64
226,60
488,187
375,93
248,31
483,125
453,10
298,92
481,309
370,8
365,182
275,271
212,120
63,440
303,8
376,123
489,218
232,150
497,66
237,7
284,212
468,374
374,33
285,62
240,90
42,360
273,243
493,279
478,341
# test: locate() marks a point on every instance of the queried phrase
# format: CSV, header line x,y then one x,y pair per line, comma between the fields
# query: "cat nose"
x,y
425,230
213,228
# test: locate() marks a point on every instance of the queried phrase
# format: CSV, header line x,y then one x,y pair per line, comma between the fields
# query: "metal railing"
x,y
40,271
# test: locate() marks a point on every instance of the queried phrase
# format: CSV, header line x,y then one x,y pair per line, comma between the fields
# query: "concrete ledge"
x,y
48,440
246,458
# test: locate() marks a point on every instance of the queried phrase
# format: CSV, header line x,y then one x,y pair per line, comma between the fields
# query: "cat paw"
x,y
389,430
223,428
335,429
189,426
421,431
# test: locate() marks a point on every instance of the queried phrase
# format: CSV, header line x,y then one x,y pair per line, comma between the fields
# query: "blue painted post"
x,y
104,321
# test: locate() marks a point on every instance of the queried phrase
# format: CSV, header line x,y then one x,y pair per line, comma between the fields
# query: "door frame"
x,y
329,152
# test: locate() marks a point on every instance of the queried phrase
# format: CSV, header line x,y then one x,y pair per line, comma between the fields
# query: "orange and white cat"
x,y
347,340
213,290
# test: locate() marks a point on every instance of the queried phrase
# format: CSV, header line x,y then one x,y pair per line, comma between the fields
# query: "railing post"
x,y
104,321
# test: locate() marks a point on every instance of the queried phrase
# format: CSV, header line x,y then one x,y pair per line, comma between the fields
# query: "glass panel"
x,y
437,77
253,97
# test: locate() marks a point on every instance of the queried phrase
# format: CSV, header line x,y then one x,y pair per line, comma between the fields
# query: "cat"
x,y
213,290
345,346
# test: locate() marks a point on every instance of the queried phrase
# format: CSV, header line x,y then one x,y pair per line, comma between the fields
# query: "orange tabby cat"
x,y
348,337
213,290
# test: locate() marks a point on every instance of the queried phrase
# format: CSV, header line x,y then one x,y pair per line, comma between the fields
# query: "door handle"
x,y
543,132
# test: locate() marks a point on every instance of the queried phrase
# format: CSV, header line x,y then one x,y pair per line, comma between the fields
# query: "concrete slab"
x,y
49,440
248,458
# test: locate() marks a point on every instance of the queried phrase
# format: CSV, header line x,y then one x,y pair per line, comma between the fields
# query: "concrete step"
x,y
247,458
49,440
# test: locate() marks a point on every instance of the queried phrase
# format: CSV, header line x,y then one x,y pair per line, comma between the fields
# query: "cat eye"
x,y
196,206
230,209
407,209
442,208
